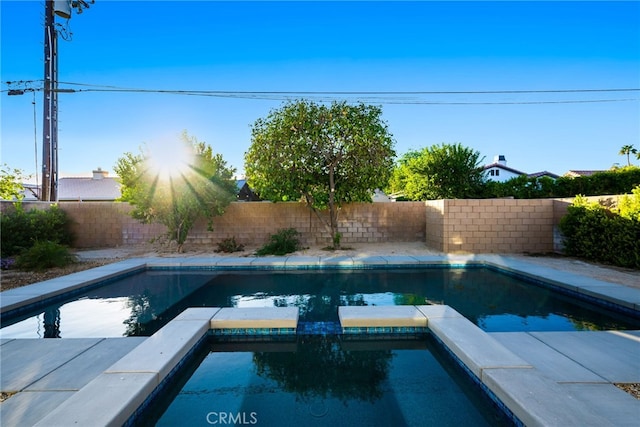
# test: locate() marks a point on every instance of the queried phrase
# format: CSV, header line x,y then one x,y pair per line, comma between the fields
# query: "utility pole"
x,y
49,189
62,8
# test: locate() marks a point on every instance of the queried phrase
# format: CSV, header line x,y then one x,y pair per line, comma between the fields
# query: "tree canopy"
x,y
446,171
11,183
628,150
322,155
176,186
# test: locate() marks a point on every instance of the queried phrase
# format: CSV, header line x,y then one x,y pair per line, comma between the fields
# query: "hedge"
x,y
20,229
596,233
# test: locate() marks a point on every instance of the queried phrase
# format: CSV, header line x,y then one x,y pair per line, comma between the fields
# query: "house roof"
x,y
544,173
575,173
79,189
503,167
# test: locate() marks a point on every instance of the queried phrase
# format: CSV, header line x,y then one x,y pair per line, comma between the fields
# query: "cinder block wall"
x,y
473,226
100,224
491,225
435,219
251,223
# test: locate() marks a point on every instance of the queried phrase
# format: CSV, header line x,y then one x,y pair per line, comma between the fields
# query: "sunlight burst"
x,y
170,160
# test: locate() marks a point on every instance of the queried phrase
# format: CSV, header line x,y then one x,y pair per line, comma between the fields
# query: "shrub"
x,y
229,245
283,242
20,229
45,254
593,232
629,205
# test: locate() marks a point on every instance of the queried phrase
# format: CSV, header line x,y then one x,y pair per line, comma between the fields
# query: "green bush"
x,y
616,181
45,254
283,242
593,232
521,187
20,229
629,205
229,245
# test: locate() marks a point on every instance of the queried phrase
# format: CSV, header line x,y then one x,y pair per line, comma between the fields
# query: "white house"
x,y
500,172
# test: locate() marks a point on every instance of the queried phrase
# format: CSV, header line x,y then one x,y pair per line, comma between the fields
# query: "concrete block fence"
x,y
451,226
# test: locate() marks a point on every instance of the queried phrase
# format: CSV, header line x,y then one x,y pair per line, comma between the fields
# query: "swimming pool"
x,y
498,370
140,304
323,380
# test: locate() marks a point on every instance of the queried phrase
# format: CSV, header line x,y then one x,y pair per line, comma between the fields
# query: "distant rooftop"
x,y
87,189
98,188
544,173
576,173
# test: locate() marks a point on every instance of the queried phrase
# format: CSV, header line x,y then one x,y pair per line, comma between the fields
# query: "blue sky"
x,y
331,47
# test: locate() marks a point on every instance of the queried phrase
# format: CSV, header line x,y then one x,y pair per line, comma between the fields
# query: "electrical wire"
x,y
382,97
366,92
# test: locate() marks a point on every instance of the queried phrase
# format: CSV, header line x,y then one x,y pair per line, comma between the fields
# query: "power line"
x,y
116,88
382,97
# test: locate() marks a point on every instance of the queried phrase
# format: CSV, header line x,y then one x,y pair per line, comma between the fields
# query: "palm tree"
x,y
627,150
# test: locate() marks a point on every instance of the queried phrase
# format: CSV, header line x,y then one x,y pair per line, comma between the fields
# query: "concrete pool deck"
x,y
544,378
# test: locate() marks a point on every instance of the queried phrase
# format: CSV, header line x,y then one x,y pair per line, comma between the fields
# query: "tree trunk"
x,y
333,212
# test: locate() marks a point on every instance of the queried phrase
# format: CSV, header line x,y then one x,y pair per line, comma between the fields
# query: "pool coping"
x,y
532,397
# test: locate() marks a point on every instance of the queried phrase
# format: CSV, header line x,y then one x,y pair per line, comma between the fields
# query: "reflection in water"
x,y
321,368
141,304
142,308
324,381
52,322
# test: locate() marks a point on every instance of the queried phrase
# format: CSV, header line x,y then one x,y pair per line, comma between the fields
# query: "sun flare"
x,y
170,160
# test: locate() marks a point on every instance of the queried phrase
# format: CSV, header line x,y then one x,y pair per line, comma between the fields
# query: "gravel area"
x,y
632,388
15,278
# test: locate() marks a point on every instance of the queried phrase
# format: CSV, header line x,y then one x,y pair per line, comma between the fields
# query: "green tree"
x,y
11,183
176,186
628,150
446,171
322,155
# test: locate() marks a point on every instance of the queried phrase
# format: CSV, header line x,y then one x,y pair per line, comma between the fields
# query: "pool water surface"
x,y
324,381
140,304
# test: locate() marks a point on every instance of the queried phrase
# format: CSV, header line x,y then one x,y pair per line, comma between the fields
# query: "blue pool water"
x,y
140,304
320,381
